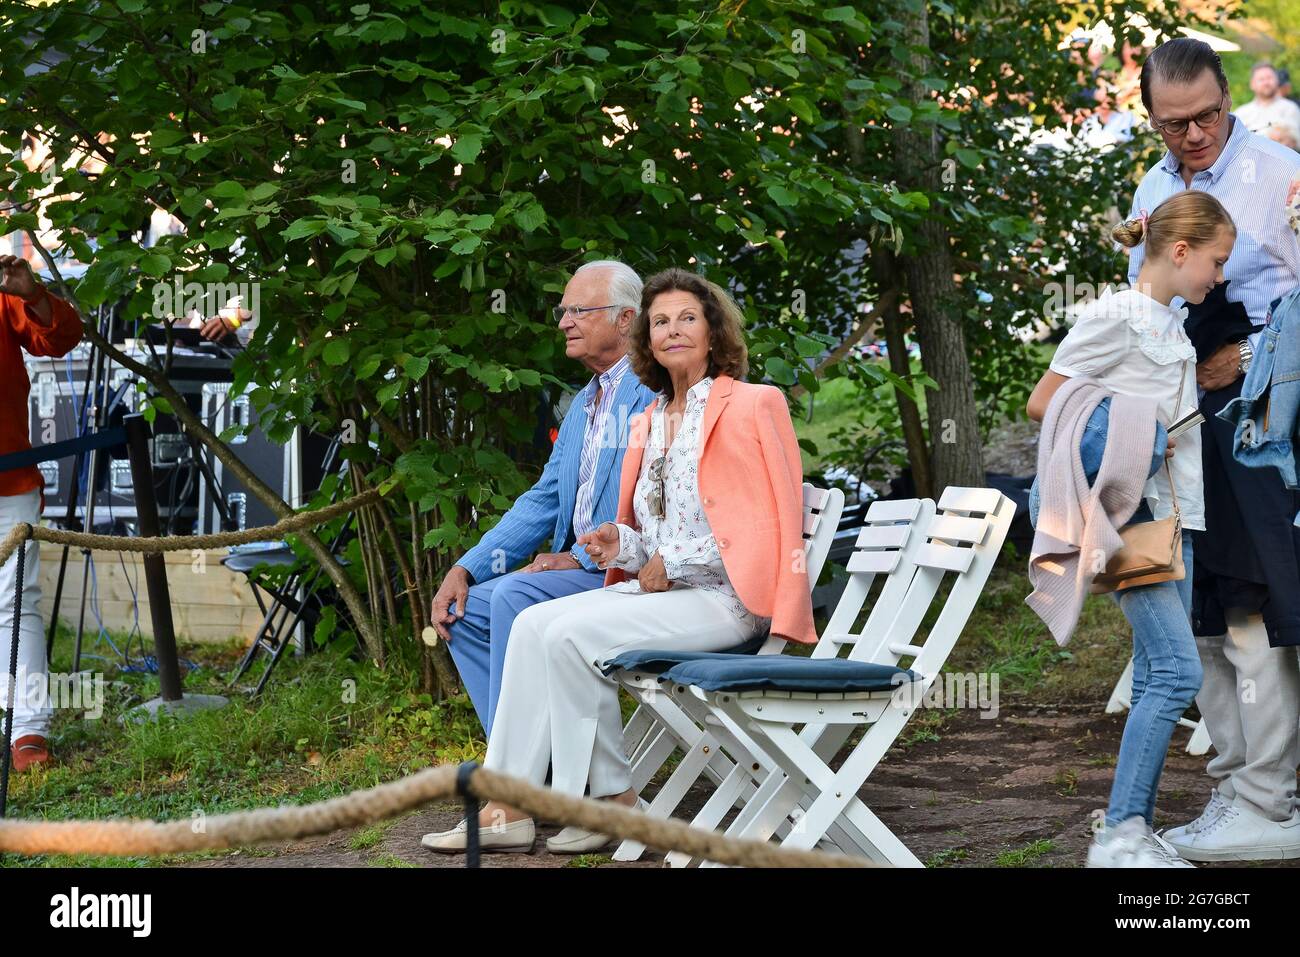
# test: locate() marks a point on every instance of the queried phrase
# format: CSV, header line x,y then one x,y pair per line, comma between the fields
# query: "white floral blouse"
x,y
682,537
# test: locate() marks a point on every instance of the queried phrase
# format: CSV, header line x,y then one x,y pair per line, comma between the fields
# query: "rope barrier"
x,y
152,838
179,543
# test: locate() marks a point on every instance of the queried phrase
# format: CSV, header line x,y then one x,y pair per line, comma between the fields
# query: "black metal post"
x,y
463,774
155,568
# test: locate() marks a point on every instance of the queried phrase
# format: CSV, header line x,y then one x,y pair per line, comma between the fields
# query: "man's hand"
x,y
1221,369
454,588
1169,448
216,329
551,562
16,278
602,544
653,576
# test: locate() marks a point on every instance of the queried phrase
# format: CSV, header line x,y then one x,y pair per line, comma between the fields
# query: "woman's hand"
x,y
602,544
1169,448
653,576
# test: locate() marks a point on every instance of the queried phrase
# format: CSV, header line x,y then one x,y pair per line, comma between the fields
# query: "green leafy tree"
x,y
410,186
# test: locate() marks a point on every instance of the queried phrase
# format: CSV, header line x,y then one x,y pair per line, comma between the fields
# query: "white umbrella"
x,y
1218,44
1103,34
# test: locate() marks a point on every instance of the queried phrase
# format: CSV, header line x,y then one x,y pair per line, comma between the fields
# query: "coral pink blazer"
x,y
751,487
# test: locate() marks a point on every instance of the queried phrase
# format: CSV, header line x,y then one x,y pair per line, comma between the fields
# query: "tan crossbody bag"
x,y
1152,551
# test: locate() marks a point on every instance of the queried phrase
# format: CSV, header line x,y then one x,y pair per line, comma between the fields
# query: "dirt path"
x,y
1016,790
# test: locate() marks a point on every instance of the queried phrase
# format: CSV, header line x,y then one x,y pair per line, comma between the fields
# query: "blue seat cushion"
x,y
787,673
657,660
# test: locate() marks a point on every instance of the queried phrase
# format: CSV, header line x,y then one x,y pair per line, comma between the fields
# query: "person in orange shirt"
x,y
32,319
706,555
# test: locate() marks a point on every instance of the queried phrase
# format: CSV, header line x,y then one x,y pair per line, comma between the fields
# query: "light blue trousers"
x,y
1166,677
478,641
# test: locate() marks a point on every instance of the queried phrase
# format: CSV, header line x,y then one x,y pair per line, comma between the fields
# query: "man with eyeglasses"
x,y
1246,577
478,601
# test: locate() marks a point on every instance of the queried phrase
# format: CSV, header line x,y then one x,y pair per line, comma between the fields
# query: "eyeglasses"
x,y
657,469
1204,120
561,311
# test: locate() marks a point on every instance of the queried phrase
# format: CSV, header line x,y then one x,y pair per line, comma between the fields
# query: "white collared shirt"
x,y
682,536
1135,345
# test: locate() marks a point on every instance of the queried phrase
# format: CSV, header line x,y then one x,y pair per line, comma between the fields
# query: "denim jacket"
x,y
1265,413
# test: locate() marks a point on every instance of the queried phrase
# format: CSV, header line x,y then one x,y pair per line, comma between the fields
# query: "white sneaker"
x,y
1238,834
1216,806
1132,844
515,836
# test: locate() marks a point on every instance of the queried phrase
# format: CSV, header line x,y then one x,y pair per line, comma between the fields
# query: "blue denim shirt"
x,y
1091,448
1265,413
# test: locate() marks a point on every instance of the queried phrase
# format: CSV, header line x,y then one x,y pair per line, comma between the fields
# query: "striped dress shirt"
x,y
1250,178
597,412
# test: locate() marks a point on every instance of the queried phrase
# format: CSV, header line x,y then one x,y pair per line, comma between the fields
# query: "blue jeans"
x,y
1166,677
478,641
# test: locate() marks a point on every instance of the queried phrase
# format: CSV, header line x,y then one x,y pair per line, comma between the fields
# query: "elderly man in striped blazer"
x,y
578,490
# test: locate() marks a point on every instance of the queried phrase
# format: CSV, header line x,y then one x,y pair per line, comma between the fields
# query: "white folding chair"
x,y
659,727
963,539
887,544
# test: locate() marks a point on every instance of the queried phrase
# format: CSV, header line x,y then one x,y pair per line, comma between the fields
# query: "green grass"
x,y
589,860
1005,637
924,727
832,407
1066,782
370,836
948,856
388,860
1025,856
325,726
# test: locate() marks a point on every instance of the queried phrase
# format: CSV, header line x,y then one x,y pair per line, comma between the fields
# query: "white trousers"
x,y
1250,699
556,707
32,709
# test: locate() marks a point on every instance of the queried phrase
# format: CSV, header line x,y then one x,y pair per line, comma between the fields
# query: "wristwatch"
x,y
1247,353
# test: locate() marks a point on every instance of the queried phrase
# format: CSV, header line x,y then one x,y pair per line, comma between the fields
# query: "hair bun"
x,y
1129,233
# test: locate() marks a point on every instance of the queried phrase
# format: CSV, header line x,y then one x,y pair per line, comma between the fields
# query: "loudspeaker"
x,y
273,463
56,413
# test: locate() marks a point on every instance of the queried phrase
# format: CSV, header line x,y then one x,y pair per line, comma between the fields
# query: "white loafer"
x,y
516,836
578,840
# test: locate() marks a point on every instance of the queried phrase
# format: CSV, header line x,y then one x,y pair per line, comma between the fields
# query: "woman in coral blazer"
x,y
751,490
707,553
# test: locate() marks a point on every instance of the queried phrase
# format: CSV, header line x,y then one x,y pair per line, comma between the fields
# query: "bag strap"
x,y
1178,408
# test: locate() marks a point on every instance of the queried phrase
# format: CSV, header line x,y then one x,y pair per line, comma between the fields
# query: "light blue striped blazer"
x,y
547,507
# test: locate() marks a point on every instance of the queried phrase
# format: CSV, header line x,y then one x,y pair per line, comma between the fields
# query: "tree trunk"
x,y
890,283
936,304
918,451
